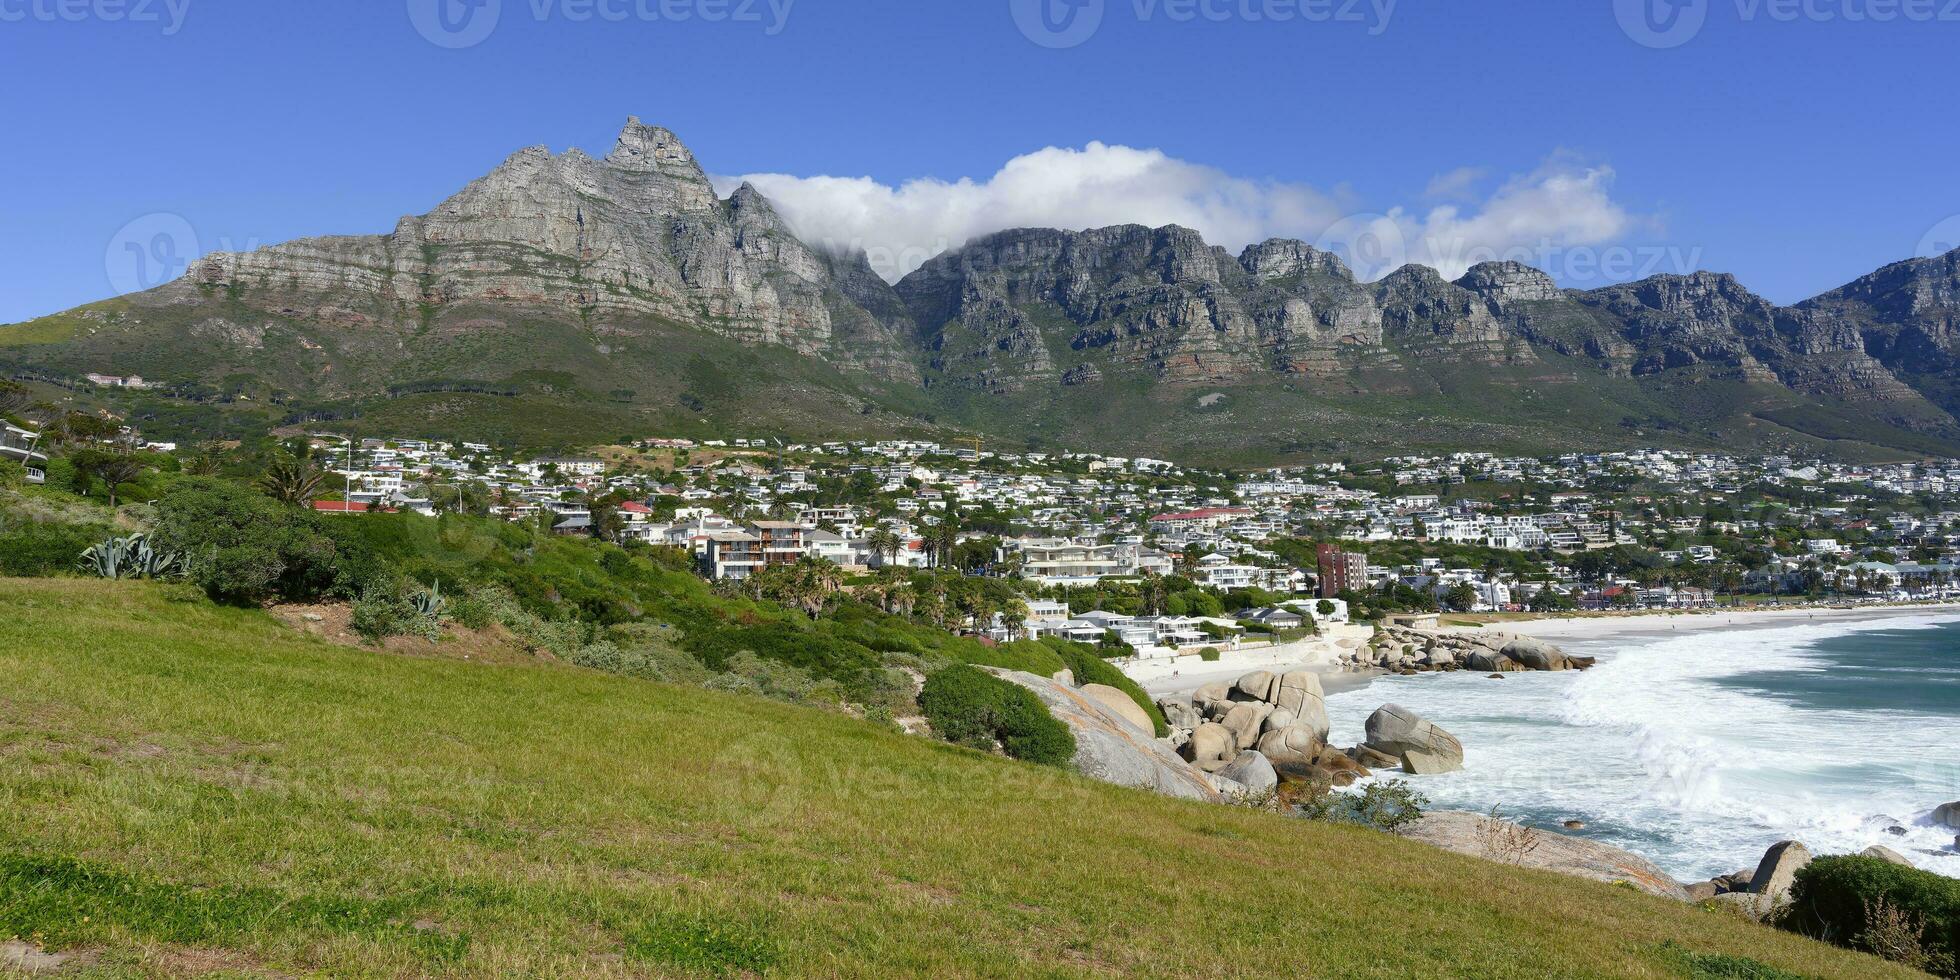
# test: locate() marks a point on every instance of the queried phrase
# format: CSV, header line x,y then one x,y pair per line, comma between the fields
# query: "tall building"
x,y
1341,571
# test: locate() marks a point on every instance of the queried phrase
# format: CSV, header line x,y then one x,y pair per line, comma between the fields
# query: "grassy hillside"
x,y
192,788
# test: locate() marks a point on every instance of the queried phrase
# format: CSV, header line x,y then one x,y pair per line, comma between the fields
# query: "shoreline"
x,y
1586,629
1182,675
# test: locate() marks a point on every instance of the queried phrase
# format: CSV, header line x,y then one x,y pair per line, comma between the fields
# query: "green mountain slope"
x,y
190,788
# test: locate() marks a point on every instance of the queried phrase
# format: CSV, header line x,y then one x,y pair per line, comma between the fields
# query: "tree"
x,y
1462,597
884,543
114,467
14,397
291,478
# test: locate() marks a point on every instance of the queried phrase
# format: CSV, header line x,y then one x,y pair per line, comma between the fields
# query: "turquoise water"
x,y
1699,748
1898,671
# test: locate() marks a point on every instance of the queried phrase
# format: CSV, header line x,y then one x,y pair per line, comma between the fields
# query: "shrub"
x,y
1035,658
1387,806
971,707
386,609
1875,905
29,548
243,548
1208,655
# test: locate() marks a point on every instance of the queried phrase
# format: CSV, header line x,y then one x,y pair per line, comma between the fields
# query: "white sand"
x,y
1648,624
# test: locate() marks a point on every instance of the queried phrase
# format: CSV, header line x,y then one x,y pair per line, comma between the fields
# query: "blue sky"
x,y
1797,145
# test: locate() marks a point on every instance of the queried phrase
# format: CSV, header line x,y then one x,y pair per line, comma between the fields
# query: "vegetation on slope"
x,y
191,787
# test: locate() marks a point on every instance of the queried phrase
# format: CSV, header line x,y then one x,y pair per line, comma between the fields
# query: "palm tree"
x,y
885,543
291,478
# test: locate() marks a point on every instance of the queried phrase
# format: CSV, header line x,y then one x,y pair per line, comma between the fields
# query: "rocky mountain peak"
x,y
1508,282
646,148
1280,258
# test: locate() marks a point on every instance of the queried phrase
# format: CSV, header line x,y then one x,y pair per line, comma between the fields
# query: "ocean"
x,y
1701,747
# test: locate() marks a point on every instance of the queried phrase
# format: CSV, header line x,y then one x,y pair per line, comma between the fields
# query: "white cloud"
x,y
1561,204
1457,185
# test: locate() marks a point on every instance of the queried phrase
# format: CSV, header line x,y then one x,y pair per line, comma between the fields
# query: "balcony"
x,y
19,444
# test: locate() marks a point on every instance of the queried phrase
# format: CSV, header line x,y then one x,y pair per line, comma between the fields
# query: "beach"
x,y
1181,675
1700,739
1582,628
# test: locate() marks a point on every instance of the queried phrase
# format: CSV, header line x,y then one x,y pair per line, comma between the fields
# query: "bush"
x,y
1208,655
385,609
1026,655
1385,806
30,549
246,549
1866,903
971,707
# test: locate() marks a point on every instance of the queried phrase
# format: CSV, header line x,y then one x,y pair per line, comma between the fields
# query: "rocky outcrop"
x,y
1947,815
1280,717
1405,650
1422,747
1882,853
1123,706
1499,840
1251,770
1109,747
1776,874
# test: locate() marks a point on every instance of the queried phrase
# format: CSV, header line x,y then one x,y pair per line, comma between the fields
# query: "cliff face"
x,y
629,282
1906,317
639,234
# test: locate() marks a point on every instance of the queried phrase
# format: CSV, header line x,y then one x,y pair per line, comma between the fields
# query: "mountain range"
x,y
563,299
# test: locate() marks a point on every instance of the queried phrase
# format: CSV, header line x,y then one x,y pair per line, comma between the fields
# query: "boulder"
x,y
1423,748
1230,789
1246,720
1279,718
1491,662
1748,904
1535,654
1209,741
1702,891
1124,707
1260,685
1299,783
1253,770
1110,748
1734,881
1470,833
1947,815
1778,870
1216,691
1064,676
1340,769
1299,691
1371,758
1885,854
1179,713
1294,743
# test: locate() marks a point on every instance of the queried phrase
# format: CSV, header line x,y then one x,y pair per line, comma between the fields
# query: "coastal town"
x,y
1128,547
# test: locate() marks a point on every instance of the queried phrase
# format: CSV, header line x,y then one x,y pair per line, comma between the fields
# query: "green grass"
x,y
187,783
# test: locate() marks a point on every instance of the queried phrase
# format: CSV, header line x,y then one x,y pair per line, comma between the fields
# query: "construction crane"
x,y
973,441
